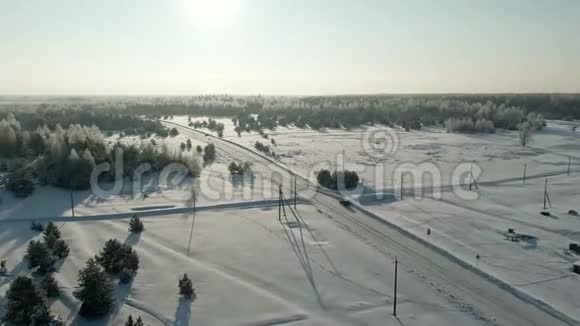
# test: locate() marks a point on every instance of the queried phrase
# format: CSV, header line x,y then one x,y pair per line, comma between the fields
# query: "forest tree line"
x,y
487,112
65,157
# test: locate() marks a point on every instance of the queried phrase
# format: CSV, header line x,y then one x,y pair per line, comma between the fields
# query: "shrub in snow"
x,y
130,322
36,227
94,290
338,179
135,225
240,169
186,287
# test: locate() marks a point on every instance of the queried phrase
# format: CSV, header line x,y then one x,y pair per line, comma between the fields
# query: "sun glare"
x,y
213,13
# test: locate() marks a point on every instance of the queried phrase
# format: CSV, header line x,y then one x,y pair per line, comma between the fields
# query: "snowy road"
x,y
475,291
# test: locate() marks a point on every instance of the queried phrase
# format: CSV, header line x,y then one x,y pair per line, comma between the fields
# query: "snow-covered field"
x,y
247,269
539,266
250,270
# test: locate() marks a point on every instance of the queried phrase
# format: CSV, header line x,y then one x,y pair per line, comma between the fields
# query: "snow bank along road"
x,y
475,290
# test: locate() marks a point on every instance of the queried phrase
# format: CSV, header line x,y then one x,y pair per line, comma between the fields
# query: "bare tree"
x,y
525,130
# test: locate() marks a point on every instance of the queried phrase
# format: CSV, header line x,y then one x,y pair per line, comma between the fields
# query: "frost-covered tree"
x,y
8,140
525,133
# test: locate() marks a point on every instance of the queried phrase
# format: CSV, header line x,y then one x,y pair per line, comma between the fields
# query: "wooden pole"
x,y
295,193
395,289
525,168
569,162
401,185
470,176
72,203
280,203
545,192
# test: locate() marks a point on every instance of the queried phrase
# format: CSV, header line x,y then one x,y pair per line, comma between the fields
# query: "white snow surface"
x,y
247,269
540,266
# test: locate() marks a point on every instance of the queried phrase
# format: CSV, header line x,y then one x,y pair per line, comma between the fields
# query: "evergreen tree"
x,y
209,153
52,229
25,305
3,269
20,182
38,255
50,286
115,256
135,225
139,322
186,287
129,321
95,291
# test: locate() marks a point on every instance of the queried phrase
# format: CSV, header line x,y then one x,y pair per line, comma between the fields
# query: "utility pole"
x,y
545,191
395,290
525,168
470,176
401,185
194,207
72,203
569,162
192,225
280,203
295,193
546,195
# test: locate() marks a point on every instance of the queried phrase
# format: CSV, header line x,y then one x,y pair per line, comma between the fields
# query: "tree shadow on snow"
x,y
183,312
132,239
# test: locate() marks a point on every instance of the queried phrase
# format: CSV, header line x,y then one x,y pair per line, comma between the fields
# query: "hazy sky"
x,y
288,46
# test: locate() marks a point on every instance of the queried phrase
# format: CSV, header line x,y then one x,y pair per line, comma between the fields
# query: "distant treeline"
x,y
486,112
111,119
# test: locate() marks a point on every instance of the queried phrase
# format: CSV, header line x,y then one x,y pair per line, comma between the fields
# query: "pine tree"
x,y
52,229
139,322
3,269
135,225
57,246
25,305
50,286
116,256
95,290
186,287
129,321
38,255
